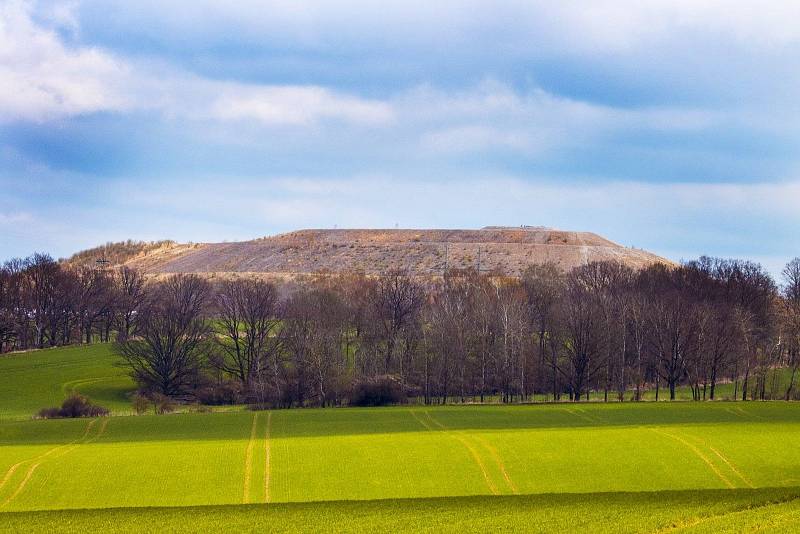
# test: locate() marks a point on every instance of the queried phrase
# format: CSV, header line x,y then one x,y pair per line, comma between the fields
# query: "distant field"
x,y
37,379
704,467
33,380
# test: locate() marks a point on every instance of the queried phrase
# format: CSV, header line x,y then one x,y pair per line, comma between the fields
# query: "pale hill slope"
x,y
422,252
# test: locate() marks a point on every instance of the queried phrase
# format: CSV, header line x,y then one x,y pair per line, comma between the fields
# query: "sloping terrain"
x,y
618,467
711,511
422,252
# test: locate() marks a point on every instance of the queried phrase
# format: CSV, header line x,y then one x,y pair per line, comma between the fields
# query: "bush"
x,y
379,391
227,392
48,413
163,404
74,406
140,404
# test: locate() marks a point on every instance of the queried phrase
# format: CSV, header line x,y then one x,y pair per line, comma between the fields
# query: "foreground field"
x,y
365,454
706,467
775,510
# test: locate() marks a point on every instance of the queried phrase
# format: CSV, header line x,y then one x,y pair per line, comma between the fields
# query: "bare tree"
x,y
672,324
172,339
39,282
512,333
247,311
396,301
314,335
791,317
8,323
583,336
544,285
93,298
129,295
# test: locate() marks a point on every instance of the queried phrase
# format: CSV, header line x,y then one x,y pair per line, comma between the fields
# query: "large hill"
x,y
507,250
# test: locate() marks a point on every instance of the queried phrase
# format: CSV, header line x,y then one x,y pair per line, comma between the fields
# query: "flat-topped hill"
x,y
507,250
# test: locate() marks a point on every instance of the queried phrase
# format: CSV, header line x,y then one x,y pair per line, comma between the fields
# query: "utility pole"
x,y
446,244
102,262
479,260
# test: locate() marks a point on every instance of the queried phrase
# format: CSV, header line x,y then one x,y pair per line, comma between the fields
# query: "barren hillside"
x,y
423,252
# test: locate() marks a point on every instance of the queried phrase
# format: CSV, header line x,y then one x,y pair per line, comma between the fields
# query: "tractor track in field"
x,y
16,466
248,460
750,415
475,456
288,464
699,454
460,437
783,519
737,414
499,461
696,521
724,459
489,448
577,412
70,387
64,450
732,467
267,453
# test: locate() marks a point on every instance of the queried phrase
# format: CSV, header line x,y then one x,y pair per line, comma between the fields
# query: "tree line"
x,y
601,328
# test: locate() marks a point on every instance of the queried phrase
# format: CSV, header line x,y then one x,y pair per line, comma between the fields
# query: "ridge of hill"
x,y
505,250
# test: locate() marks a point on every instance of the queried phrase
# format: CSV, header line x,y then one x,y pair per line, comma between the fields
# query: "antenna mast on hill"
x,y
102,262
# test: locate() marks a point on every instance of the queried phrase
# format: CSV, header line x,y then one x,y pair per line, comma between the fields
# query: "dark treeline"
x,y
600,328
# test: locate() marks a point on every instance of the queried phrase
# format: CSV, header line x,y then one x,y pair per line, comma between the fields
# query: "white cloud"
x,y
294,105
41,78
586,26
494,116
14,218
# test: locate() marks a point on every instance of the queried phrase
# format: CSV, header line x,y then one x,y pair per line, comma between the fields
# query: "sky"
x,y
668,125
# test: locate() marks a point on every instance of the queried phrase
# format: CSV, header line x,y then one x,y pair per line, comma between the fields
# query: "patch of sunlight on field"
x,y
401,452
38,379
132,461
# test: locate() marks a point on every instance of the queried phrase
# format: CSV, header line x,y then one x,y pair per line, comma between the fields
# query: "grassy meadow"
x,y
704,467
37,379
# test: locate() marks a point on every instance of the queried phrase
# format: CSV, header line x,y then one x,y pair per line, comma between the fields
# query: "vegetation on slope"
x,y
115,253
711,511
36,379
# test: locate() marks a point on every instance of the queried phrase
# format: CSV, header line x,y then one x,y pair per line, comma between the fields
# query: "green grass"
x,y
37,379
704,467
396,453
685,511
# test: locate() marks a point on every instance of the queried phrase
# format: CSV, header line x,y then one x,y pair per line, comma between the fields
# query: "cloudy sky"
x,y
668,125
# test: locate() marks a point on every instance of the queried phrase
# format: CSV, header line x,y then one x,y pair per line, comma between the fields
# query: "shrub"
x,y
227,392
378,391
74,406
48,413
163,404
140,404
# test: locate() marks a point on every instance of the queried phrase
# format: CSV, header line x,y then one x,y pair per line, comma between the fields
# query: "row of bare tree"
x,y
601,327
44,304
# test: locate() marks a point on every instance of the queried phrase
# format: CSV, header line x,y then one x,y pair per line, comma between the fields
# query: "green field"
x,y
705,467
33,380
